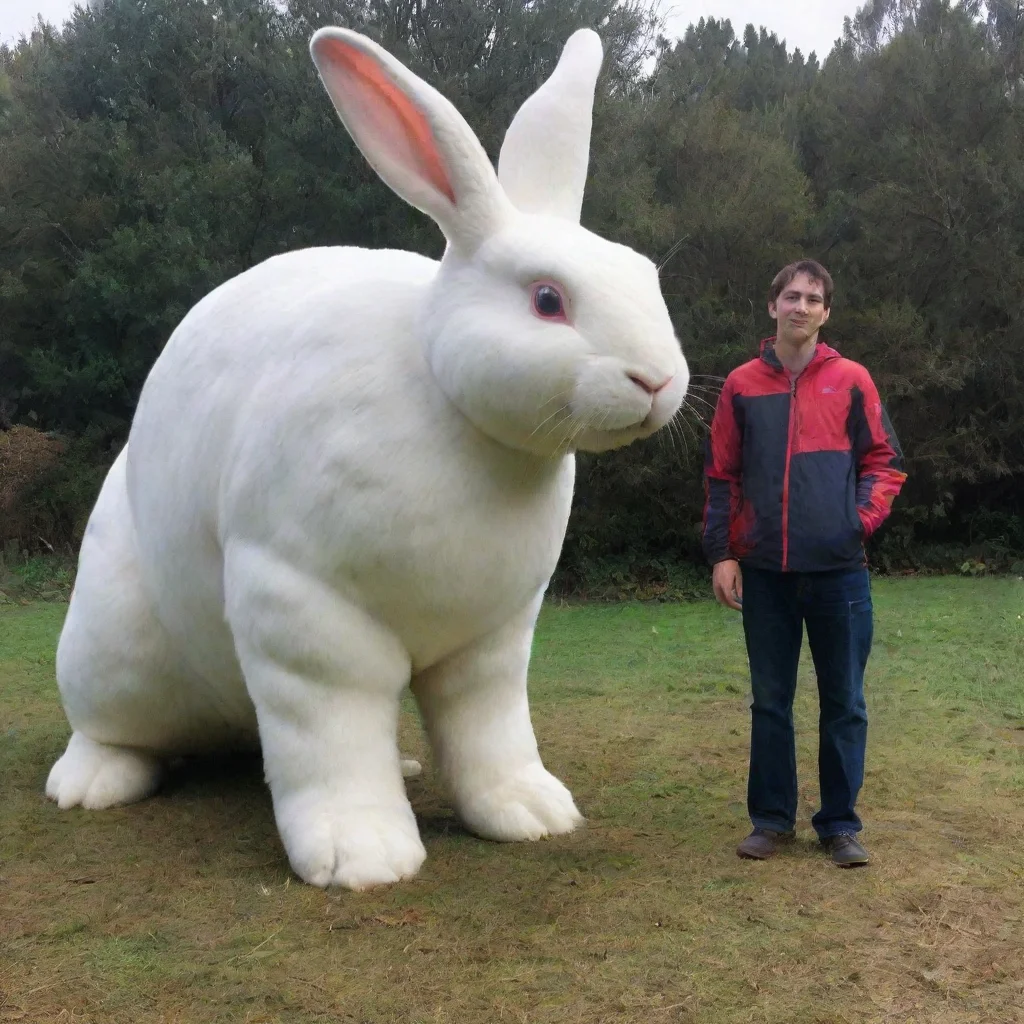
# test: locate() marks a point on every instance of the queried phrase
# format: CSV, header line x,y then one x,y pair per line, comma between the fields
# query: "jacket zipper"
x,y
785,477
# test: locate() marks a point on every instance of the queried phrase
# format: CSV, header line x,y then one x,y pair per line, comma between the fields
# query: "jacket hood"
x,y
822,351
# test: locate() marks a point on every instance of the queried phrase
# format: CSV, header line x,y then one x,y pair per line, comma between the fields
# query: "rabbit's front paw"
x,y
355,847
97,775
530,804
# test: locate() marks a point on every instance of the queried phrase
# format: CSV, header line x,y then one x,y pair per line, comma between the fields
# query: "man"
x,y
802,467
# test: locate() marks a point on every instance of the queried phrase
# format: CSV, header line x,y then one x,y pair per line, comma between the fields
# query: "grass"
x,y
37,577
183,909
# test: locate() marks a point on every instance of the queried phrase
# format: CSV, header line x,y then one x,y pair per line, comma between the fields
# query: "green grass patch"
x,y
36,578
183,909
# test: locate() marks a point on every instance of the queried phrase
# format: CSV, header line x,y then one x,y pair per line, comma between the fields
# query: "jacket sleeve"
x,y
723,466
880,467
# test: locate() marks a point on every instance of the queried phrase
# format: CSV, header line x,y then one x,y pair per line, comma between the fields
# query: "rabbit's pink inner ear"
x,y
397,126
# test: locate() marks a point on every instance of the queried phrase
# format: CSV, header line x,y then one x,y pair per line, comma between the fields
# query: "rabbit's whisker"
x,y
697,398
557,412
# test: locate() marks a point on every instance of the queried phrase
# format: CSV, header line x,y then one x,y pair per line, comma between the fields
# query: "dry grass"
x,y
182,908
26,455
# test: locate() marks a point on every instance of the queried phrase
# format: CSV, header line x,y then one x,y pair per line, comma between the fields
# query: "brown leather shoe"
x,y
763,843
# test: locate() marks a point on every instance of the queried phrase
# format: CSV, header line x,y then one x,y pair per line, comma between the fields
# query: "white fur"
x,y
350,471
559,112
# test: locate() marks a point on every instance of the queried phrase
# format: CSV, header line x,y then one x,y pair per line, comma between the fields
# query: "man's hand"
x,y
727,581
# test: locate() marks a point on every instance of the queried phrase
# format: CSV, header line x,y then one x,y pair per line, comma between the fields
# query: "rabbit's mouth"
x,y
615,415
605,439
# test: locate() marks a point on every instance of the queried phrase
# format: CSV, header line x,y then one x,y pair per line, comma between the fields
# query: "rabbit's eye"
x,y
547,302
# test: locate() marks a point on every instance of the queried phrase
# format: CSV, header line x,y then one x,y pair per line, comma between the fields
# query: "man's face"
x,y
799,310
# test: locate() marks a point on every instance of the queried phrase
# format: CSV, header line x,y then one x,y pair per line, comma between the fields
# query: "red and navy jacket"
x,y
799,471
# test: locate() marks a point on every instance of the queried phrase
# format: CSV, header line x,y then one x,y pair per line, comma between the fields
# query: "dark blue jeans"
x,y
836,607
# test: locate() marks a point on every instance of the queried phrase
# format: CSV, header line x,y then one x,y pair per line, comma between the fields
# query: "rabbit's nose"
x,y
645,383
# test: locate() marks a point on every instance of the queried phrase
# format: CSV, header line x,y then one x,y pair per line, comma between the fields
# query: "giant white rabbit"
x,y
350,472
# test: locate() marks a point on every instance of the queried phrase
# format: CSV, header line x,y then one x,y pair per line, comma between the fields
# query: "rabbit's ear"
x,y
412,136
543,161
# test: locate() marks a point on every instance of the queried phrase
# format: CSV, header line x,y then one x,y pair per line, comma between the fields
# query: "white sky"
x,y
810,25
807,24
18,16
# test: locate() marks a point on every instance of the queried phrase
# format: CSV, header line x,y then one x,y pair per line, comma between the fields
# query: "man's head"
x,y
814,270
800,300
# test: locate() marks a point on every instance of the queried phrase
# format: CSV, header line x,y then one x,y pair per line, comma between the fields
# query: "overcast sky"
x,y
807,24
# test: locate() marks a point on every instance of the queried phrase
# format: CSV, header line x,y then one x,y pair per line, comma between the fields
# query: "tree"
x,y
153,148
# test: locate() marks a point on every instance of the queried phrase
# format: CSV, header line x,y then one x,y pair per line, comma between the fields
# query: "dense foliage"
x,y
150,149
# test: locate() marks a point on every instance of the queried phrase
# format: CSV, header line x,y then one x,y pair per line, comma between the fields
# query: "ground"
x,y
183,909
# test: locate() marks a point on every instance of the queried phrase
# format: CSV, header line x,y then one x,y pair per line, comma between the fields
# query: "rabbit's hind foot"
x,y
98,775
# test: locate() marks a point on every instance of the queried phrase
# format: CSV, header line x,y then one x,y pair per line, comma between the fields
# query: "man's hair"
x,y
814,270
